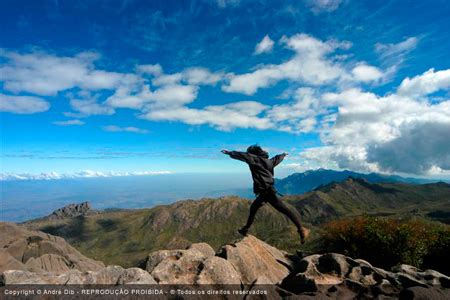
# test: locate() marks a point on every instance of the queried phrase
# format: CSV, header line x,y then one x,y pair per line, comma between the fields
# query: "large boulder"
x,y
217,270
253,258
22,249
196,264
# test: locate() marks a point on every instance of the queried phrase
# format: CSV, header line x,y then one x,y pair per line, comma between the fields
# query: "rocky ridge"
x,y
36,251
247,263
71,211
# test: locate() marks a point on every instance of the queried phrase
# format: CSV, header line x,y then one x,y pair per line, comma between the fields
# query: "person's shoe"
x,y
243,231
304,233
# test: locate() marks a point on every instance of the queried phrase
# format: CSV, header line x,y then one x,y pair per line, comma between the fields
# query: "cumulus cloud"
x,y
114,128
166,96
427,83
264,46
340,157
192,76
300,114
360,130
82,174
69,123
154,70
310,65
419,148
85,104
242,114
45,74
23,104
391,133
366,73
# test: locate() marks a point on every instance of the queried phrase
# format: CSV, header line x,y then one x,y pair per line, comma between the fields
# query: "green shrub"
x,y
386,242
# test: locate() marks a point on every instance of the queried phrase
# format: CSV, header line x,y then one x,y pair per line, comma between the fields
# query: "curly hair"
x,y
257,150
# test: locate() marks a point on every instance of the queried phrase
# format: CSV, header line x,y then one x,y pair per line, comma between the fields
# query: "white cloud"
x,y
192,76
165,96
420,148
339,157
114,128
395,50
175,94
69,123
298,115
393,55
360,130
366,73
45,74
23,104
85,104
392,133
199,76
427,83
223,117
310,65
154,70
264,46
81,174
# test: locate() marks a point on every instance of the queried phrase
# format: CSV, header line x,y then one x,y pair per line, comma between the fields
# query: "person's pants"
x,y
273,199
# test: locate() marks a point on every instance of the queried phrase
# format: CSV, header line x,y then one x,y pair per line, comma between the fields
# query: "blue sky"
x,y
127,87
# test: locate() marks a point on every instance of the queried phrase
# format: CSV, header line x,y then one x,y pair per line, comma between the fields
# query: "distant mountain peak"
x,y
72,210
300,183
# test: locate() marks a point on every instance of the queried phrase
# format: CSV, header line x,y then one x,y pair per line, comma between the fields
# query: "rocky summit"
x,y
36,251
38,258
71,211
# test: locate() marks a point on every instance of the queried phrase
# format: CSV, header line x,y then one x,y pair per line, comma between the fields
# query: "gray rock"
x,y
135,276
71,211
216,270
27,277
424,293
108,275
409,281
178,267
154,258
203,248
253,258
40,252
333,264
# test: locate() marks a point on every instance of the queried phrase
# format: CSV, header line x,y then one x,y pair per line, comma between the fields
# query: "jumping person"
x,y
261,168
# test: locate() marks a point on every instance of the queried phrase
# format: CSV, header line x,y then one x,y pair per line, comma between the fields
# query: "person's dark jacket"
x,y
261,168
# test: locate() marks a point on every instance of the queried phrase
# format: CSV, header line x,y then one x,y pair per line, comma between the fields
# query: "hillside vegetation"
x,y
387,242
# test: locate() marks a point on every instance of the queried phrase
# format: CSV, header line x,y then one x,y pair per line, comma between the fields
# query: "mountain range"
x,y
299,183
126,236
303,182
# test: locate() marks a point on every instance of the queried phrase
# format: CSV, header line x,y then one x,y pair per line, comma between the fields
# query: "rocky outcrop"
x,y
338,276
110,275
255,261
247,264
196,265
35,251
71,211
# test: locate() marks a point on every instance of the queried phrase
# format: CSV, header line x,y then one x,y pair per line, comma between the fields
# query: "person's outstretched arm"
x,y
277,159
242,156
